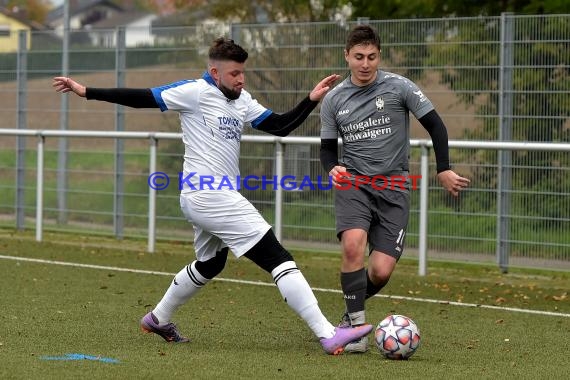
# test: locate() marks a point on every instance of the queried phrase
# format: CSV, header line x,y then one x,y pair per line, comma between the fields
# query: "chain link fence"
x,y
503,78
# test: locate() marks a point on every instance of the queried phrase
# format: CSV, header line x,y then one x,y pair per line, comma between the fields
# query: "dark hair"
x,y
362,35
224,49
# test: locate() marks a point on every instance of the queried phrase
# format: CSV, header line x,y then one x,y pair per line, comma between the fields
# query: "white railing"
x,y
279,142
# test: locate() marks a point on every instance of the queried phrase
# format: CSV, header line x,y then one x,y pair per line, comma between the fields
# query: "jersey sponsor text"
x,y
369,134
362,125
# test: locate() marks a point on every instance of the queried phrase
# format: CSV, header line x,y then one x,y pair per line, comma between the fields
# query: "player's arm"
x,y
436,129
329,142
130,97
329,160
283,124
438,133
329,154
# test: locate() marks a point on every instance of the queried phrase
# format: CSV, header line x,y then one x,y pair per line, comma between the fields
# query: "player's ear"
x,y
346,53
213,71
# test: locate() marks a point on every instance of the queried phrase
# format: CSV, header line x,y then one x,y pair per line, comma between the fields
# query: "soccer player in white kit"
x,y
213,112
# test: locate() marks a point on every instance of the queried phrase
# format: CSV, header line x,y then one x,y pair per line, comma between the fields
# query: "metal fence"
x,y
491,79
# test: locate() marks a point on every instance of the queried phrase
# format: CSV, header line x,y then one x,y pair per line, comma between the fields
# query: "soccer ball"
x,y
397,337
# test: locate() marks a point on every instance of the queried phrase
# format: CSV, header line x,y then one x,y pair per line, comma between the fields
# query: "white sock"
x,y
299,296
185,285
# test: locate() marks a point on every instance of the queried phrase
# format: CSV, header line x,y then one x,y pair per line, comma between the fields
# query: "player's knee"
x,y
214,266
353,245
353,255
268,253
379,276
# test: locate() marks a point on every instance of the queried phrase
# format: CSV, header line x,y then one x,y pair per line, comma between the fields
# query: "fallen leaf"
x,y
500,300
560,298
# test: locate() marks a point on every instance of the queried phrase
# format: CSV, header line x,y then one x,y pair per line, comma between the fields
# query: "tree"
x,y
540,76
33,10
443,8
249,11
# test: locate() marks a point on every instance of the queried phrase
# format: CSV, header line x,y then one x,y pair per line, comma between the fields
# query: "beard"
x,y
229,93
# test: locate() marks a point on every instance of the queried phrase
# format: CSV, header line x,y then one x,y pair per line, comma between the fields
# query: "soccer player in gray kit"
x,y
369,110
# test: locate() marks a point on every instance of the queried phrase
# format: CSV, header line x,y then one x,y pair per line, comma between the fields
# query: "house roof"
x,y
20,17
120,19
77,7
182,18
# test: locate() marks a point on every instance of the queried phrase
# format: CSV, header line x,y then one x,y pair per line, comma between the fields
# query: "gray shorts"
x,y
382,213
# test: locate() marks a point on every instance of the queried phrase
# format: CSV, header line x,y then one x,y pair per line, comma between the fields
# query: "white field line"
x,y
260,283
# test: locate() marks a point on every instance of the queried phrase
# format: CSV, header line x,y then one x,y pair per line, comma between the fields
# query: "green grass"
x,y
245,331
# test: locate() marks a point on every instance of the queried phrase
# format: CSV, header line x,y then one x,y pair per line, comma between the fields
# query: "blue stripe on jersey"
x,y
208,78
261,117
157,91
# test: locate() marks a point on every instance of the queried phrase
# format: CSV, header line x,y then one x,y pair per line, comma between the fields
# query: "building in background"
x,y
95,22
82,14
12,21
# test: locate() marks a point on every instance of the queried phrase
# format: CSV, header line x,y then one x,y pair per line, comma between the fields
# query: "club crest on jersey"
x,y
379,103
420,95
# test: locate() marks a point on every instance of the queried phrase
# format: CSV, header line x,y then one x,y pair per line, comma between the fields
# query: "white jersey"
x,y
212,126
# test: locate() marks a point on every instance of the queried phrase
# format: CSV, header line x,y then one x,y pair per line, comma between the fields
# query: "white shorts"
x,y
222,218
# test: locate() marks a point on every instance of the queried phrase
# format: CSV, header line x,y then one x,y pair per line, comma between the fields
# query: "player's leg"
x,y
185,285
386,238
245,232
353,274
231,218
211,254
386,233
380,268
194,276
390,210
353,281
353,219
270,255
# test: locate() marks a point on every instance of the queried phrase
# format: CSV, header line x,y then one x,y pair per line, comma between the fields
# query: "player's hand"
x,y
323,87
452,182
337,173
65,84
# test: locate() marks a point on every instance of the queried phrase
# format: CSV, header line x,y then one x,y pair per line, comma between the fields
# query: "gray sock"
x,y
354,291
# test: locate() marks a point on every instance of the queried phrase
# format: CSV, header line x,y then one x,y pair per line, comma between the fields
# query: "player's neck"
x,y
363,83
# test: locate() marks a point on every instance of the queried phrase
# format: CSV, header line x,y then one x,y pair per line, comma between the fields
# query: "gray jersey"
x,y
373,122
